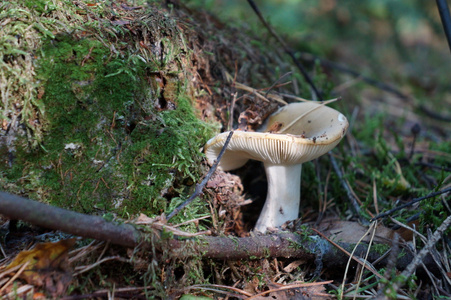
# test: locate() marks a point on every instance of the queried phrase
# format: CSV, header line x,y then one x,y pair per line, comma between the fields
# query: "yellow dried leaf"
x,y
47,265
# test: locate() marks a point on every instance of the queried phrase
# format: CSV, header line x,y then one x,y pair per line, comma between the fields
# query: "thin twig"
x,y
276,82
348,254
191,221
443,9
233,94
366,257
289,287
391,266
105,292
414,231
232,108
82,269
201,185
429,165
405,275
372,228
286,49
307,57
411,203
21,270
347,188
256,92
220,286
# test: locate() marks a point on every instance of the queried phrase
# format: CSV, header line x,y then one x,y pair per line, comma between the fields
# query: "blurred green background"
x,y
399,42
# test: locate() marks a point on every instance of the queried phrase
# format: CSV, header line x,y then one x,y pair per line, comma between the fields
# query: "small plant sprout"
x,y
295,134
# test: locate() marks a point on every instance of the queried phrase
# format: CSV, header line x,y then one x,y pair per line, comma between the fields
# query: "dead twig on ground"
x,y
283,244
350,255
201,185
418,259
410,203
390,266
289,287
127,292
239,293
348,189
50,217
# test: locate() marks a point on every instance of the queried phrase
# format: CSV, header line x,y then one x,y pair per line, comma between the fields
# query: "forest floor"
x,y
106,107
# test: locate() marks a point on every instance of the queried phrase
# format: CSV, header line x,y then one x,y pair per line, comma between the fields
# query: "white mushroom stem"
x,y
283,198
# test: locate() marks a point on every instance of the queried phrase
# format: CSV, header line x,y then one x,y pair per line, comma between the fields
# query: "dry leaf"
x,y
47,266
143,219
352,232
292,266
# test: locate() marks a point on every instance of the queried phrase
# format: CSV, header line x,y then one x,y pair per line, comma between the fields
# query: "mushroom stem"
x,y
283,198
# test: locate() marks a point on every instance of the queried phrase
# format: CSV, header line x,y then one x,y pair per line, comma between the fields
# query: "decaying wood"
x,y
284,244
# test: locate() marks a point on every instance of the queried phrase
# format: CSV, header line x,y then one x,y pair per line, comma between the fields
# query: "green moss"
x,y
106,146
295,245
40,6
380,248
402,253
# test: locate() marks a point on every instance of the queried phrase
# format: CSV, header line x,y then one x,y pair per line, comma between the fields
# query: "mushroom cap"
x,y
296,133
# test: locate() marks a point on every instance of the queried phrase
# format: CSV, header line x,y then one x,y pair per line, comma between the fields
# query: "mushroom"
x,y
293,135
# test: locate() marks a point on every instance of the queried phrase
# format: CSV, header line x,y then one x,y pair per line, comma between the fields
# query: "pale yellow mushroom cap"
x,y
296,133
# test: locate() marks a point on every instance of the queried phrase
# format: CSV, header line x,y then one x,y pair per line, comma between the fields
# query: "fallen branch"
x,y
284,244
50,217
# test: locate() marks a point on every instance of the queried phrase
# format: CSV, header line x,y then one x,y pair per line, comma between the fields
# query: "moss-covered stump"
x,y
110,124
